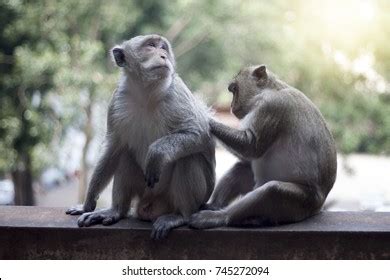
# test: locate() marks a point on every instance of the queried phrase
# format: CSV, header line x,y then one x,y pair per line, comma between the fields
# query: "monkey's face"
x,y
148,56
237,107
244,87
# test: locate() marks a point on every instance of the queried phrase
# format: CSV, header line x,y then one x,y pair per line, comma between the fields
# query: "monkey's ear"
x,y
260,72
119,56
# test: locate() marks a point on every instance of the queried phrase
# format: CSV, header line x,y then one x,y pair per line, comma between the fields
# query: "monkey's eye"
x,y
164,47
151,44
233,88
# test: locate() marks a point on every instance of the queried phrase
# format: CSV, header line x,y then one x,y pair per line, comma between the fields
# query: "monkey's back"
x,y
316,136
304,148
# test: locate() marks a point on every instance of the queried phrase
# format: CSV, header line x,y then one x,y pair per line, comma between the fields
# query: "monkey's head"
x,y
146,58
245,86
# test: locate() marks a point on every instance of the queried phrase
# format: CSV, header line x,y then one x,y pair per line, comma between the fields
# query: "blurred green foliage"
x,y
54,62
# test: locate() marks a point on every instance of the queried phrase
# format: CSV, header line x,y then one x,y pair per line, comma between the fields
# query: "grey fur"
x,y
157,135
288,156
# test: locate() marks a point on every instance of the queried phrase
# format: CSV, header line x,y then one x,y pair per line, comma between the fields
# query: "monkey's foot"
x,y
208,219
164,224
105,216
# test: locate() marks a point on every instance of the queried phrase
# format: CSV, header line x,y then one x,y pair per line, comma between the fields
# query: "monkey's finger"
x,y
110,220
93,219
163,233
157,234
74,211
88,219
82,219
160,232
153,234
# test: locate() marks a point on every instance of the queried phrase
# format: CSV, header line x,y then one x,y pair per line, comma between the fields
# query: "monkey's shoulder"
x,y
271,101
186,105
179,83
288,100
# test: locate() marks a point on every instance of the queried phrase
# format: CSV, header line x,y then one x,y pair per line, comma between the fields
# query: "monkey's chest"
x,y
141,132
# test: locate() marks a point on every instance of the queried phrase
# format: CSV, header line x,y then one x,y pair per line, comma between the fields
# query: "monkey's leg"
x,y
237,181
128,182
188,189
101,176
272,203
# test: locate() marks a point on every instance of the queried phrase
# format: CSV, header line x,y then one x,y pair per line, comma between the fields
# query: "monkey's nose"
x,y
163,56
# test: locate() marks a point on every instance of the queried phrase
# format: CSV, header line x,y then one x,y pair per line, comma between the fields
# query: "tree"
x,y
21,127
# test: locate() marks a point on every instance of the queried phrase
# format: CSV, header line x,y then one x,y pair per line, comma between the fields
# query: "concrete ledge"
x,y
47,233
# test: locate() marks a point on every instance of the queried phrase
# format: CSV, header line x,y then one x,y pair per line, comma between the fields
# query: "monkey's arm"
x,y
266,123
102,174
109,160
104,169
242,142
170,148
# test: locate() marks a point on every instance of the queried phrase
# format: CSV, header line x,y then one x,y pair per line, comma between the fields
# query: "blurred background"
x,y
56,79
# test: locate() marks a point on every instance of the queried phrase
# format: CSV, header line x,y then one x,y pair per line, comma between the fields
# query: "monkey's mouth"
x,y
159,67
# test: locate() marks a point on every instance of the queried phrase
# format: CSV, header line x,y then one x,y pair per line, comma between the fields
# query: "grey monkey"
x,y
158,146
287,156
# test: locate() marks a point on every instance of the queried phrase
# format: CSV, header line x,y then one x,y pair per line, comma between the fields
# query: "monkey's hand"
x,y
212,123
81,209
154,164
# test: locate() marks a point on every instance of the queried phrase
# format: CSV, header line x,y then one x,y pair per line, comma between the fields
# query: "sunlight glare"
x,y
343,20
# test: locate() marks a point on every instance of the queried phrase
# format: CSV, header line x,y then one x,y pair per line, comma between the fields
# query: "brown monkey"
x,y
157,136
288,156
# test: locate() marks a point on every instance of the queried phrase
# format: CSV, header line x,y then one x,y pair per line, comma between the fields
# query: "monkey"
x,y
287,156
158,147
